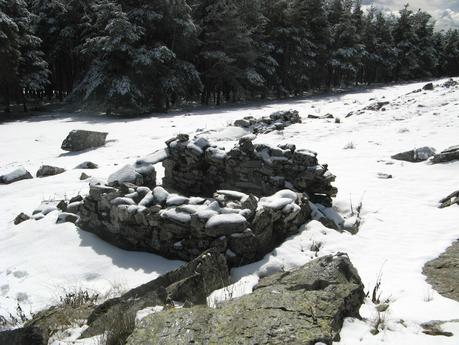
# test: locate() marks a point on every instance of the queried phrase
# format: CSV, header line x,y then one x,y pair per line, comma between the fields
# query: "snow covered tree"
x,y
23,68
109,79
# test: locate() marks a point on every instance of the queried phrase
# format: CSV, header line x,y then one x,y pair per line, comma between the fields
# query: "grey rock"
x,y
62,205
384,176
416,155
79,140
21,217
16,175
76,199
451,199
443,272
84,176
87,165
428,87
192,282
448,155
48,170
303,306
65,217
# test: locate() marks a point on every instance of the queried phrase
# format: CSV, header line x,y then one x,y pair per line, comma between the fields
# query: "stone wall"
x,y
194,167
241,226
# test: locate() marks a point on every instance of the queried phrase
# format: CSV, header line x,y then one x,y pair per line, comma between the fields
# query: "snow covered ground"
x,y
402,227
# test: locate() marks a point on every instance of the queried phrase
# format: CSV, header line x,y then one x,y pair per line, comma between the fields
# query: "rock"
x,y
62,205
24,336
276,121
448,155
451,199
450,83
87,165
125,174
21,217
191,283
303,306
48,170
139,176
79,140
76,199
84,176
65,217
326,116
376,106
428,87
384,176
16,175
417,155
443,272
46,323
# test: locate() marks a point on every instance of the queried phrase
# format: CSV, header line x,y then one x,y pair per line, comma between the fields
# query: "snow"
x,y
401,227
226,218
125,174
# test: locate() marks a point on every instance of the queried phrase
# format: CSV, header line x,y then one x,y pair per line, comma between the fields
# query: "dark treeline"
x,y
140,55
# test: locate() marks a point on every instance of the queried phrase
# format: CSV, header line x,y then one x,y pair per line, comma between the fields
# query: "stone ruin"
x,y
194,167
243,202
241,226
274,122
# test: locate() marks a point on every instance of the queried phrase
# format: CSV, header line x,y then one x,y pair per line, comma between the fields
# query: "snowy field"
x,y
402,226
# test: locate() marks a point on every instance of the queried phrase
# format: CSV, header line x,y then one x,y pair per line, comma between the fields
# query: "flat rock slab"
x,y
417,155
304,306
443,272
448,155
79,140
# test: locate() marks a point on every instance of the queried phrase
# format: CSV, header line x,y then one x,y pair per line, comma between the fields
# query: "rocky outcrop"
x,y
16,175
443,272
79,140
190,283
376,106
276,121
48,170
416,155
305,306
448,155
195,167
451,199
241,226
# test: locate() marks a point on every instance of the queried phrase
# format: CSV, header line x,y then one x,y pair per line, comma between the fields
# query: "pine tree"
x,y
23,69
109,79
226,51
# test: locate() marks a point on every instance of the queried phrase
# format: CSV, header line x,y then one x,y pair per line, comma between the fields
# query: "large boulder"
x,y
416,155
190,283
443,272
48,170
79,140
16,175
448,155
304,306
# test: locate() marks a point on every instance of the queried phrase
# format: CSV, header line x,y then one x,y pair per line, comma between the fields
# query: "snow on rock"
x,y
15,175
224,224
125,174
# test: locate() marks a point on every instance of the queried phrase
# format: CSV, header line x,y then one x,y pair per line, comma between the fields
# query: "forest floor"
x,y
402,227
